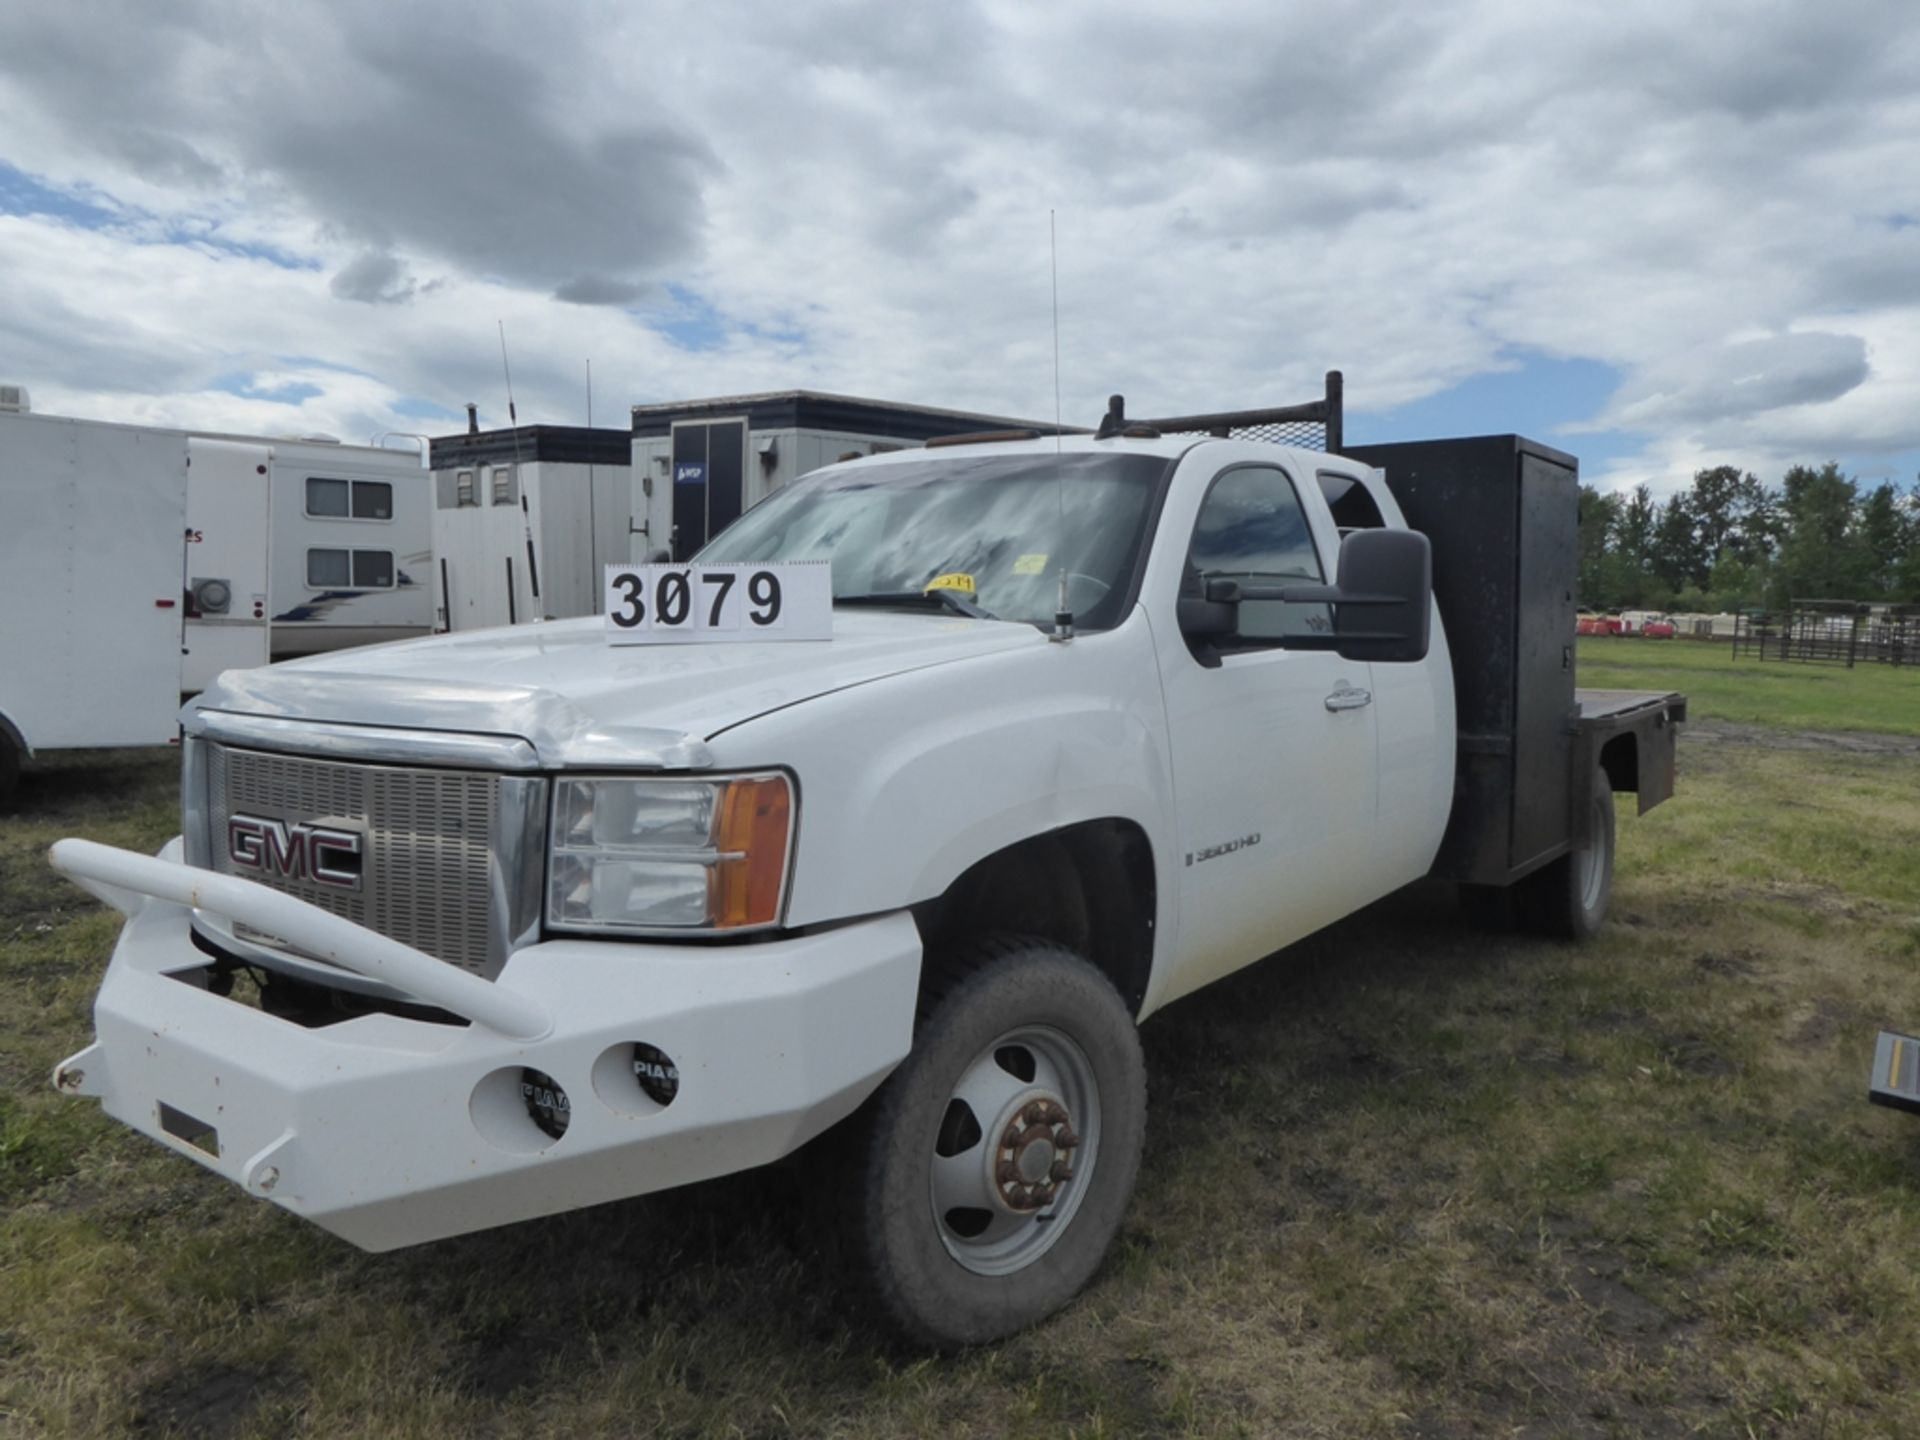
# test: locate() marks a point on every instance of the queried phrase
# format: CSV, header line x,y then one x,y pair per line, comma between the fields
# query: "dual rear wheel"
x,y
1567,898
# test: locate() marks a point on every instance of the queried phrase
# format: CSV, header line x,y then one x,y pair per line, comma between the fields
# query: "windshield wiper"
x,y
941,599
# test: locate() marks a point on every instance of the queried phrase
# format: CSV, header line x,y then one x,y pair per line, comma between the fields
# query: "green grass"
x,y
1778,693
1406,1181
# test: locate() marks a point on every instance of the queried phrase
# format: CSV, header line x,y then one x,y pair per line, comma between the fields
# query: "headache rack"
x,y
1316,425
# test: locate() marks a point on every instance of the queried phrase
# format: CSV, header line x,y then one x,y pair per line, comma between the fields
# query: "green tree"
x,y
1820,558
1906,576
1631,568
1677,561
1882,542
1731,510
1599,522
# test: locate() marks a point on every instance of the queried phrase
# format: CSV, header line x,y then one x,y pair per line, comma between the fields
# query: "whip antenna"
x,y
593,519
1062,617
520,479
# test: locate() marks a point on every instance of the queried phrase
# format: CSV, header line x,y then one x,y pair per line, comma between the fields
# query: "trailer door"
x,y
91,562
709,481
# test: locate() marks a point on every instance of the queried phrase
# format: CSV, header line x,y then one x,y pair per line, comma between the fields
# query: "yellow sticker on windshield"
x,y
1030,565
952,580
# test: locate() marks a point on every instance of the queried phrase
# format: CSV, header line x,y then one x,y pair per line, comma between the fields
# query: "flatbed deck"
x,y
1598,706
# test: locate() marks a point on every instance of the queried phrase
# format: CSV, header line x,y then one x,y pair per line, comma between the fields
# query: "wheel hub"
x,y
1034,1156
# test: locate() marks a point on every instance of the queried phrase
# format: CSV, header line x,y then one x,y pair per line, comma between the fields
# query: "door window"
x,y
1252,528
1351,502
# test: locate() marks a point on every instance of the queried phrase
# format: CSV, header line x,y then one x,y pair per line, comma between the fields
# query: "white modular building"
x,y
697,464
524,520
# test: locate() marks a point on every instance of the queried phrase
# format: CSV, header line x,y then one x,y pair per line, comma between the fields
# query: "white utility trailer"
x,y
96,550
697,464
524,521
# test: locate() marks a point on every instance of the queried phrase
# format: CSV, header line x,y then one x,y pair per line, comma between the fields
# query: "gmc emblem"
x,y
320,853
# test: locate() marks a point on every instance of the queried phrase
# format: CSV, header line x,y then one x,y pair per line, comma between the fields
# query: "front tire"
x,y
996,1163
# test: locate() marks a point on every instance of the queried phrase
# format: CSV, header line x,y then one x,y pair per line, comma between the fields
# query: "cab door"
x,y
1274,750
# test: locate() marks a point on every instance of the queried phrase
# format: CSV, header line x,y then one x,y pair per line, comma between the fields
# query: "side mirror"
x,y
1381,607
1383,603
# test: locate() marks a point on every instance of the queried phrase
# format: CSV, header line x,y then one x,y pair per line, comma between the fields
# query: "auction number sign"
x,y
665,604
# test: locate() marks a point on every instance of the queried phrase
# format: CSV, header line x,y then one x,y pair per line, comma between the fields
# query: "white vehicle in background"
x,y
270,548
544,917
102,551
352,544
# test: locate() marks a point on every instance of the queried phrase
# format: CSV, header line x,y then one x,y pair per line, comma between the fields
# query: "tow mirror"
x,y
1381,606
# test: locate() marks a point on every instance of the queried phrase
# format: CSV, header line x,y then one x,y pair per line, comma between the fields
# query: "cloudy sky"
x,y
1661,233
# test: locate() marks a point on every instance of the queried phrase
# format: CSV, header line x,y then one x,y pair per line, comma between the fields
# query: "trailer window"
x,y
340,569
372,500
327,499
329,569
373,569
463,489
1252,528
503,485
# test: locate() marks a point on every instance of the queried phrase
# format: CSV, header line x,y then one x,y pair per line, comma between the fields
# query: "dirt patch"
x,y
204,1400
1851,742
1694,1055
1823,1023
1737,964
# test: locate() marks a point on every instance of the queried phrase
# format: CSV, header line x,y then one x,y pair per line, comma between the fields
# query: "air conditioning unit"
x,y
14,401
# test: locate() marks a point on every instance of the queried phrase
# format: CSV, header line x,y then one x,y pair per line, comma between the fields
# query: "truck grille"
x,y
428,857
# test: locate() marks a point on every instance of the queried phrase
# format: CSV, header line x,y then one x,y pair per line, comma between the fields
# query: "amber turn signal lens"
x,y
752,841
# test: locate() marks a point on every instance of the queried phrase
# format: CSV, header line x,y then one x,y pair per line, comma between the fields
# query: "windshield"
x,y
1010,524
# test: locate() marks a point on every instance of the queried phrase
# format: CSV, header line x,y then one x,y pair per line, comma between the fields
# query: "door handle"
x,y
1350,698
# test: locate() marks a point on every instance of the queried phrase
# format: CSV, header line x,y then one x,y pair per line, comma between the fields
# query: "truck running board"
x,y
1896,1072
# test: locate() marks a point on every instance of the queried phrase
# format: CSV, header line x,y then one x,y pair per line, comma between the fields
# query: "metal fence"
x,y
1831,632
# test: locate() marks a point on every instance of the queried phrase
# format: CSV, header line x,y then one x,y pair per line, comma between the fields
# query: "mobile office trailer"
x,y
96,554
523,521
352,544
697,464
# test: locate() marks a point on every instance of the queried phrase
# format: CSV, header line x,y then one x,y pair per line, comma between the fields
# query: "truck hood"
x,y
580,701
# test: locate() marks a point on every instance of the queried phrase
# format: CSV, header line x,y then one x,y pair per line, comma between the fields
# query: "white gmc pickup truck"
x,y
525,920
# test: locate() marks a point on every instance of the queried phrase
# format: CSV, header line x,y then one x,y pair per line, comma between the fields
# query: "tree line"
x,y
1729,542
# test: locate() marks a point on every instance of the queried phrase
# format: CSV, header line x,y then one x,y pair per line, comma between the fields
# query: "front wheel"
x,y
1569,897
996,1162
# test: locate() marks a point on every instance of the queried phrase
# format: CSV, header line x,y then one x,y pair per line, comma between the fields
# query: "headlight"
x,y
650,855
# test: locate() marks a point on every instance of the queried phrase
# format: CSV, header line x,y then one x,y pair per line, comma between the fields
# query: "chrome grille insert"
x,y
445,852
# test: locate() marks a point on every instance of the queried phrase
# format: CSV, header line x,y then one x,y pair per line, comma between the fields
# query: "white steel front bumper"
x,y
391,1131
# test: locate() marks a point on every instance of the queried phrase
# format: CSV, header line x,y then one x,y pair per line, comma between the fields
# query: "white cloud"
x,y
1718,200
